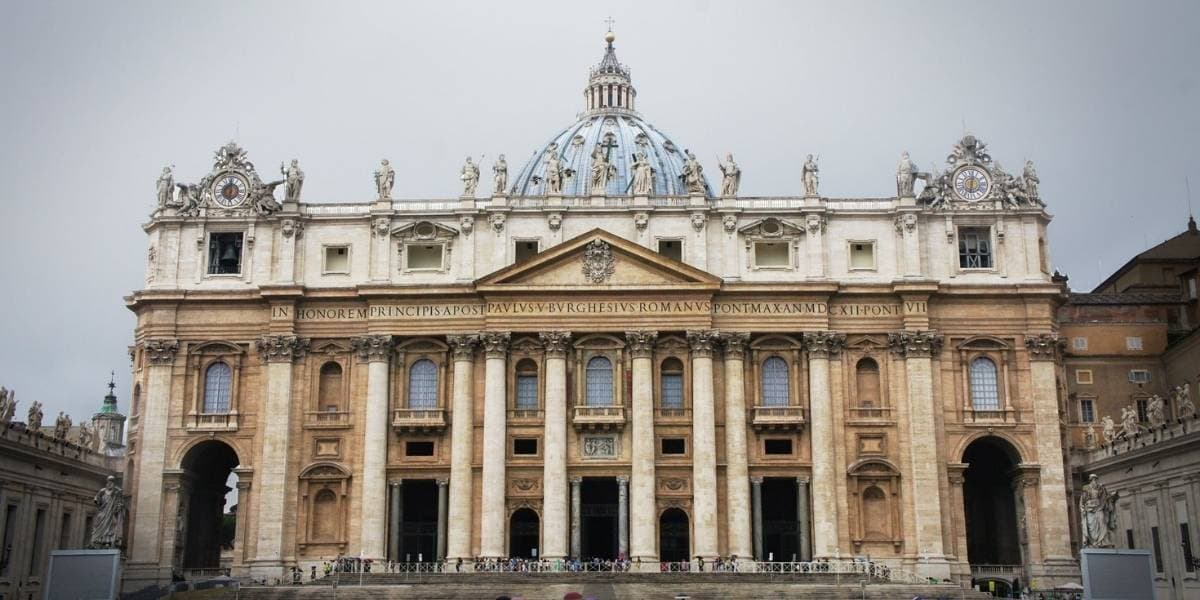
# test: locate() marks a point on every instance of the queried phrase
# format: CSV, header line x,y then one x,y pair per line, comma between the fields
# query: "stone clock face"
x,y
230,190
971,183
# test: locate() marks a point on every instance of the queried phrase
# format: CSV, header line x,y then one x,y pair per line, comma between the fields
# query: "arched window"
x,y
985,388
329,392
866,379
527,385
775,382
671,384
599,382
876,517
324,516
422,384
217,382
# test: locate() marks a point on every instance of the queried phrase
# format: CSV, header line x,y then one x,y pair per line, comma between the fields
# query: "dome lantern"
x,y
609,86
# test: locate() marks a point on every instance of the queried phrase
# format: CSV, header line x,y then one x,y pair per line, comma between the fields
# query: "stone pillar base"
x,y
1053,571
648,564
936,567
139,576
269,570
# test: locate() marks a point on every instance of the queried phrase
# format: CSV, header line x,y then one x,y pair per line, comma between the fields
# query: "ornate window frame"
x,y
200,357
875,348
1001,353
322,353
672,347
880,473
409,352
585,349
790,350
314,478
526,348
773,230
425,233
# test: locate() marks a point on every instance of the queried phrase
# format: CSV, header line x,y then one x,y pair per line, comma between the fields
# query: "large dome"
x,y
611,123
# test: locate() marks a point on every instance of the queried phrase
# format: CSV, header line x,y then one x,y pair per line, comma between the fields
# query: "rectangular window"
x,y
39,533
337,260
1142,405
674,446
64,532
778,447
1133,343
1079,343
974,248
1158,562
527,392
225,253
1185,540
1083,376
1087,411
672,249
862,256
672,390
1139,376
771,255
524,250
424,256
418,448
525,446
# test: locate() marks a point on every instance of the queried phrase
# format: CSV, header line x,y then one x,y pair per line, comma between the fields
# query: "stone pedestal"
x,y
462,428
704,455
643,542
737,474
554,470
493,521
376,350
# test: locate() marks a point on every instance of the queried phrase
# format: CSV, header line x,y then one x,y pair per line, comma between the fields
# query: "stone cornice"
x,y
824,344
640,343
495,343
555,343
463,346
281,348
702,342
734,343
915,344
161,351
373,347
1045,346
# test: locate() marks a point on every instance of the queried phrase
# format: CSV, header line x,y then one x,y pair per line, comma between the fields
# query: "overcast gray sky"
x,y
97,97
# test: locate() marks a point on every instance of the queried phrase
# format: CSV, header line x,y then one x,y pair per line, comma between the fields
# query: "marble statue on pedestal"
x,y
166,187
62,424
1097,513
110,517
692,174
1129,423
601,171
1180,395
34,422
8,405
1108,429
1089,437
643,175
294,178
470,178
1030,181
85,435
499,175
810,176
1156,411
554,172
385,177
905,176
731,177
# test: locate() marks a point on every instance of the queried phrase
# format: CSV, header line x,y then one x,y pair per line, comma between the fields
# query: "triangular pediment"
x,y
598,260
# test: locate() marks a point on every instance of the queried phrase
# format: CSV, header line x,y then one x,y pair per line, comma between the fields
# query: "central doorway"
x,y
989,503
418,526
780,531
208,467
673,536
598,518
523,534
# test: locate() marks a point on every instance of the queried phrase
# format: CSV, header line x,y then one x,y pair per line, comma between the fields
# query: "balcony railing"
x,y
1001,416
418,419
599,417
212,421
525,414
683,415
328,419
777,417
871,413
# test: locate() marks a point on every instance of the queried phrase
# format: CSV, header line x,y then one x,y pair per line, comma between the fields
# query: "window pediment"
x,y
776,342
216,348
325,470
424,231
770,228
984,342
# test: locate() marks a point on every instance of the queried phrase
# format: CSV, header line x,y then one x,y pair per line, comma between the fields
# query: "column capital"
x,y
622,480
443,482
281,348
1044,346
756,480
555,343
576,480
823,344
161,351
495,343
734,343
463,346
915,344
395,483
702,342
640,343
802,480
373,348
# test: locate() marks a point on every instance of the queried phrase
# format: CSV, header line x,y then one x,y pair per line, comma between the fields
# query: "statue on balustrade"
x,y
643,175
499,175
1180,395
166,187
385,177
470,178
905,176
692,179
8,405
62,425
731,177
1109,429
810,175
1156,411
34,422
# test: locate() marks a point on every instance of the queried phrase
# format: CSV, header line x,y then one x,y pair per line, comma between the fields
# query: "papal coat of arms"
x,y
598,264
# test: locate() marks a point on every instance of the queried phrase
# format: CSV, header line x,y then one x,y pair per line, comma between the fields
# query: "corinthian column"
x,y
495,409
820,345
1044,352
462,429
555,536
704,445
917,349
737,472
147,526
376,351
642,543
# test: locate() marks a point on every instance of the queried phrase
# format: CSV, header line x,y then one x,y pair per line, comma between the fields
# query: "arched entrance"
x,y
210,510
673,532
989,503
523,534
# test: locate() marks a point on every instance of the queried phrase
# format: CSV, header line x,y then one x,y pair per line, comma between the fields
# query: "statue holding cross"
x,y
602,168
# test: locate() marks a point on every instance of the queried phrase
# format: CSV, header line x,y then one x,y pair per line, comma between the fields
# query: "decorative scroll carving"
x,y
291,228
554,221
466,224
906,222
1045,346
598,261
640,343
699,220
161,352
381,226
463,346
734,343
281,348
915,344
641,220
495,343
815,223
525,485
702,342
497,222
673,484
823,344
373,347
555,343
730,223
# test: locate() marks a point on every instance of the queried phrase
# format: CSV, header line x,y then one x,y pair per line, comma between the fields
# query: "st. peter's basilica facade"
x,y
601,356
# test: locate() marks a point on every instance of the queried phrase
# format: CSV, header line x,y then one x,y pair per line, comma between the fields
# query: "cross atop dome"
x,y
609,86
